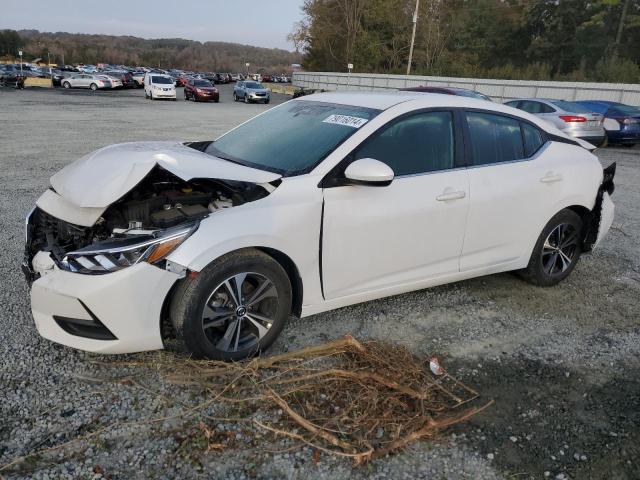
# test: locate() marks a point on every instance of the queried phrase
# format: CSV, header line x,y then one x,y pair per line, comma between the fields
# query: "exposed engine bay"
x,y
160,201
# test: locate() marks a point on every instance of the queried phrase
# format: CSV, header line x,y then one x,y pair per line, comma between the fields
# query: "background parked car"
x,y
569,117
115,81
621,122
11,75
158,86
463,92
138,78
85,80
125,78
200,89
250,91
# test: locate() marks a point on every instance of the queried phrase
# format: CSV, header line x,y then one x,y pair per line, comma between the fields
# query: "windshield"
x,y
161,80
201,83
571,106
292,138
253,85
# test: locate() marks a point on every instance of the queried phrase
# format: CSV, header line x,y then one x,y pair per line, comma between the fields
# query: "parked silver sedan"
x,y
570,117
87,80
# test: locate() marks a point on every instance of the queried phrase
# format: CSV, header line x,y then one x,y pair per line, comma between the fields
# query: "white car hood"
x,y
102,177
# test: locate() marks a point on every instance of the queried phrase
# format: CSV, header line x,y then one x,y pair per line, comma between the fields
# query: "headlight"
x,y
118,253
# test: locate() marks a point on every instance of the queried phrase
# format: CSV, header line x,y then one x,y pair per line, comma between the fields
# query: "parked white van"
x,y
157,85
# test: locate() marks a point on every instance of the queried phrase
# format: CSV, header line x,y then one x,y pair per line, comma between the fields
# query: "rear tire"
x,y
246,98
213,325
557,250
93,87
628,145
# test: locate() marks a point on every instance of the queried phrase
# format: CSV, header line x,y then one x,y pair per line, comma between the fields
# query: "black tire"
x,y
186,97
216,100
628,145
189,301
93,87
266,102
235,97
551,262
150,95
66,85
246,98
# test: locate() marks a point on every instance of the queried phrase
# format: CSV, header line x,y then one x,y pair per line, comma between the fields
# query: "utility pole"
x,y
623,17
413,36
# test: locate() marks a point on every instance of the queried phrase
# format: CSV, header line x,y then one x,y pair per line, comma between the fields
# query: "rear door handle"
x,y
551,177
446,196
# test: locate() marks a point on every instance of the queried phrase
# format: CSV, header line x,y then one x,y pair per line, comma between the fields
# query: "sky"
x,y
251,22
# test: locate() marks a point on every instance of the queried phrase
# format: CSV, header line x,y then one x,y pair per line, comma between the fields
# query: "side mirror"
x,y
370,172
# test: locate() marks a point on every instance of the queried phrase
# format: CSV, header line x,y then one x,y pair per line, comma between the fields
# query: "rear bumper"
x,y
623,136
117,312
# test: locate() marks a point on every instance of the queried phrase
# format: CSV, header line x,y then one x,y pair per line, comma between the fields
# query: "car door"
x,y
513,188
408,231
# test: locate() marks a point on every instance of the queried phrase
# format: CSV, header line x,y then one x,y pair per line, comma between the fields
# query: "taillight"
x,y
573,118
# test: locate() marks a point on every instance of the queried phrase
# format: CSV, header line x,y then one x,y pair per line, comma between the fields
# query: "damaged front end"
x,y
145,224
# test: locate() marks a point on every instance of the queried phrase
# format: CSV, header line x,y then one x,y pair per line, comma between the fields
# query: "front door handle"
x,y
551,177
446,196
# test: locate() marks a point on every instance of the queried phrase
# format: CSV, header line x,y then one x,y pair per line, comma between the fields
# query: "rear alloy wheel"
x,y
234,308
557,250
93,87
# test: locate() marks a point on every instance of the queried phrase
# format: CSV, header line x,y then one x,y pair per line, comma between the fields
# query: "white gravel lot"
x,y
562,364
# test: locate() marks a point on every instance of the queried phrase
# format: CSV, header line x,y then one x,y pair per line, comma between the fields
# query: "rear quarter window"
x,y
533,139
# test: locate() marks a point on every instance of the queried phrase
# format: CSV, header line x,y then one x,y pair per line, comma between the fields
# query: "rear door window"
x,y
494,138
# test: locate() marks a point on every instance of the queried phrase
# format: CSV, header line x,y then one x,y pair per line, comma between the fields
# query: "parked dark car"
x,y
463,92
125,77
53,73
621,122
11,75
266,77
198,89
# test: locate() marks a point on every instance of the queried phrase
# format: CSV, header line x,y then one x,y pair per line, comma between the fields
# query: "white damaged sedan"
x,y
316,204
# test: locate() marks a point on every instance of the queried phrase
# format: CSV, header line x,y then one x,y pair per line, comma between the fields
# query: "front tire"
x,y
246,98
234,308
557,250
66,85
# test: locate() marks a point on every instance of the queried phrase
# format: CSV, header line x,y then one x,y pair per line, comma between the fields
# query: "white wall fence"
x,y
499,90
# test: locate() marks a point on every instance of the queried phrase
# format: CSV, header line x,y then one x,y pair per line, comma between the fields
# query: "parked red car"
x,y
197,89
182,81
266,77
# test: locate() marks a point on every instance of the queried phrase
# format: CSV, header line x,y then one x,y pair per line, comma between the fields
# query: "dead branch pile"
x,y
345,398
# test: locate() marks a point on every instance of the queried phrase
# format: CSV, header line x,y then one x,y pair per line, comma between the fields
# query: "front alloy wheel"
x,y
240,312
234,308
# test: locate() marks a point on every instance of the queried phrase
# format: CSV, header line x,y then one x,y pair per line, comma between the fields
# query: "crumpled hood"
x,y
102,177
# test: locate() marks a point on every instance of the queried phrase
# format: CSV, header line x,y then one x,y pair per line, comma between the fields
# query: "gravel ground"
x,y
562,364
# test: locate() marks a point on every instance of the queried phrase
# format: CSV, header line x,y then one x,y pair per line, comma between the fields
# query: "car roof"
x,y
386,99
